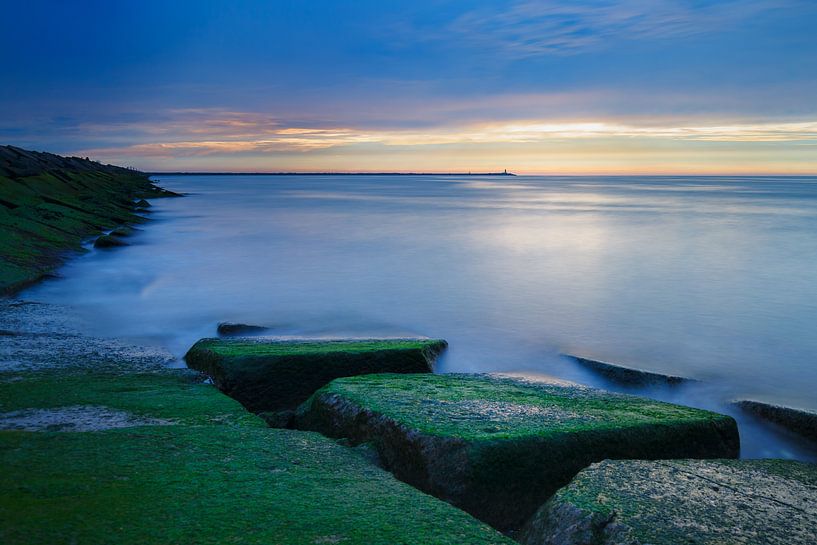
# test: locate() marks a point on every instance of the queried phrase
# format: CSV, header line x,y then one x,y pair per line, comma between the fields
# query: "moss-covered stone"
x,y
705,502
798,421
212,485
269,375
173,460
499,447
50,204
628,376
195,467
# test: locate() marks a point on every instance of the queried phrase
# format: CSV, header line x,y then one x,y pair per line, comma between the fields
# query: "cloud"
x,y
531,28
246,133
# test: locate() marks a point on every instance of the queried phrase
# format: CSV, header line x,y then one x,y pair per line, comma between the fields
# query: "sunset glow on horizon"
x,y
590,87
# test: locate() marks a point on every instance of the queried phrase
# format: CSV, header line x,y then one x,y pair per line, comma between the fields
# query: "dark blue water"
x,y
709,278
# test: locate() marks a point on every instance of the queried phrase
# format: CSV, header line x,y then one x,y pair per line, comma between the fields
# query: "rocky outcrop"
x,y
796,420
50,204
266,375
705,502
498,448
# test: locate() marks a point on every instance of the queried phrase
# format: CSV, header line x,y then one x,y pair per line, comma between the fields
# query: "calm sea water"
x,y
709,278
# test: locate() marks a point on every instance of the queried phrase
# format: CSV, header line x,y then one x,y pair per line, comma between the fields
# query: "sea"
x,y
710,278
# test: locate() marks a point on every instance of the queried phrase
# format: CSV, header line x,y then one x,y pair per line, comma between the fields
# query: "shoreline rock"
x,y
232,329
803,423
50,205
131,452
628,376
668,502
498,447
274,376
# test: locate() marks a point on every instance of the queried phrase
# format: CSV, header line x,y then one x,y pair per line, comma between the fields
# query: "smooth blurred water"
x,y
710,278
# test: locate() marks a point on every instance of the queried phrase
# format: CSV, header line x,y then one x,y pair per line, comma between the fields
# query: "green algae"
x,y
49,205
216,474
177,395
244,347
473,407
707,502
498,448
277,376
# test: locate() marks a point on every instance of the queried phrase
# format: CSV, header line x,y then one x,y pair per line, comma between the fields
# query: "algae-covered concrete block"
x,y
799,421
628,376
705,502
137,458
269,375
499,447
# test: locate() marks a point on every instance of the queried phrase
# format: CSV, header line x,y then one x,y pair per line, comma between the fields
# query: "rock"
x,y
498,447
141,203
123,231
669,502
628,376
268,375
108,241
799,421
229,329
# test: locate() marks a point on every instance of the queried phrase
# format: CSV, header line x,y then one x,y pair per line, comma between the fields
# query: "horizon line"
x,y
327,173
508,174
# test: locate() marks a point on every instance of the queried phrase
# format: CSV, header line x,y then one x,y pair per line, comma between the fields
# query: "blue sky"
x,y
596,86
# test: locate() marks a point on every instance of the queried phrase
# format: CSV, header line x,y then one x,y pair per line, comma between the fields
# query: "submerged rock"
x,y
669,502
109,241
497,447
279,375
628,376
799,421
230,329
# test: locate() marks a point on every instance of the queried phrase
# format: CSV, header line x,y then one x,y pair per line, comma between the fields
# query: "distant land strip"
x,y
504,173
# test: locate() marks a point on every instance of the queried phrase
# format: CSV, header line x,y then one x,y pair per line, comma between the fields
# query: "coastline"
x,y
135,440
50,205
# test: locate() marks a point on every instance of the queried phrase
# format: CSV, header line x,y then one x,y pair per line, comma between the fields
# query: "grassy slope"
x,y
50,204
217,475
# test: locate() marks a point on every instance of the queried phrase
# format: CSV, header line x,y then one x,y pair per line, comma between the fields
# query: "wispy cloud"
x,y
244,133
530,28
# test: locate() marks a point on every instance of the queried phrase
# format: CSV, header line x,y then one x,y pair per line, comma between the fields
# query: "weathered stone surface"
x,y
627,376
499,447
799,421
269,375
670,502
230,329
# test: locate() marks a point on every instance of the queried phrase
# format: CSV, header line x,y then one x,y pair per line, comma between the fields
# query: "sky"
x,y
537,87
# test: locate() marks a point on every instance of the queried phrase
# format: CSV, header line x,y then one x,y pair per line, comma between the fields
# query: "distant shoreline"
x,y
331,173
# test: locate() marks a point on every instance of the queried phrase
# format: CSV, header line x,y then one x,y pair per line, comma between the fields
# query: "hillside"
x,y
50,204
